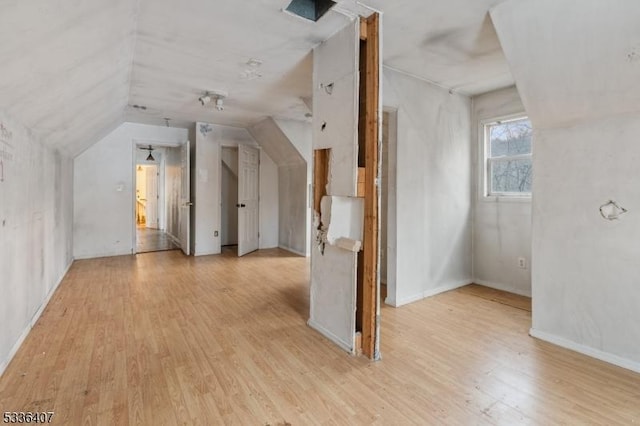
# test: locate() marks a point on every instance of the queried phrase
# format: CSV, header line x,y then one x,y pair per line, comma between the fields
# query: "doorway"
x,y
161,204
388,206
229,200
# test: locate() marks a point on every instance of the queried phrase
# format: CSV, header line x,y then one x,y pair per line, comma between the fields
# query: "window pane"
x,y
510,138
511,176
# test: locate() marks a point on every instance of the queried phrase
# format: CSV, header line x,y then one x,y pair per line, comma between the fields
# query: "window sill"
x,y
505,199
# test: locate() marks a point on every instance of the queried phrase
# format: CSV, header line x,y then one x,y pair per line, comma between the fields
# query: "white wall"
x,y
578,79
288,143
35,230
501,226
294,208
269,207
433,189
103,220
210,138
298,206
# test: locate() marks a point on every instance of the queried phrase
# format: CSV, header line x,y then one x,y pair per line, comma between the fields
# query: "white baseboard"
x,y
294,251
503,287
99,255
205,253
174,239
586,350
433,292
32,322
447,287
329,335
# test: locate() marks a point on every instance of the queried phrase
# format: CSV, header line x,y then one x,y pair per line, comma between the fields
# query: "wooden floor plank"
x,y
161,338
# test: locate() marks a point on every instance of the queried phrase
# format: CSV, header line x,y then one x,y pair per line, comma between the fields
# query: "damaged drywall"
x,y
335,121
581,91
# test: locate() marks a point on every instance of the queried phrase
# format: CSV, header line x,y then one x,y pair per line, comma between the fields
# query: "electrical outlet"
x,y
522,263
215,233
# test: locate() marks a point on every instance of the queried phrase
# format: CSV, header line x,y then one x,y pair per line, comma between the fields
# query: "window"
x,y
508,165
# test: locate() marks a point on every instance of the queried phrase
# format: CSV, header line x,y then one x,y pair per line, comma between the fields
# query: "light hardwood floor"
x,y
160,338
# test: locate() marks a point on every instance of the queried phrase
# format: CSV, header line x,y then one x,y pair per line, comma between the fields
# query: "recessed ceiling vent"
x,y
310,9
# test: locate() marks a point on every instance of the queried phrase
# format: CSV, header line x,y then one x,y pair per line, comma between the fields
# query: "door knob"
x,y
240,205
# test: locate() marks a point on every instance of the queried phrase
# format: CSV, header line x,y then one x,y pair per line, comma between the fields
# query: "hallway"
x,y
149,239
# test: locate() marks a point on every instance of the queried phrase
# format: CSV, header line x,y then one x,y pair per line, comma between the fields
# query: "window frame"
x,y
487,161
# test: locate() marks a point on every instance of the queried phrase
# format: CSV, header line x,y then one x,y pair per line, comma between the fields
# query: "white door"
x,y
248,193
184,213
151,209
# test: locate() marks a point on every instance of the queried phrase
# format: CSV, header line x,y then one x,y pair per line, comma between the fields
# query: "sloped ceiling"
x,y
65,67
187,48
449,42
573,65
72,70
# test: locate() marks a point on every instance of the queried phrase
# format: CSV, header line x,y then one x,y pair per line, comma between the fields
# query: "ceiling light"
x,y
217,97
149,157
205,99
219,101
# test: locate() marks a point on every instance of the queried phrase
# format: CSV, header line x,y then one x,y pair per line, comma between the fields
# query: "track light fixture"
x,y
205,99
217,97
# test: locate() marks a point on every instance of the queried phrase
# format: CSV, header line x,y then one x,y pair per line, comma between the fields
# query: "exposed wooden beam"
x,y
320,176
370,246
363,29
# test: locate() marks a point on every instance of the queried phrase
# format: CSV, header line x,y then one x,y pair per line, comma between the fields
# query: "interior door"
x,y
248,199
184,213
151,209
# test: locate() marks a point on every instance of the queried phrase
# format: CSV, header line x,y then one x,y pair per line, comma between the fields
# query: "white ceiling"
x,y
70,68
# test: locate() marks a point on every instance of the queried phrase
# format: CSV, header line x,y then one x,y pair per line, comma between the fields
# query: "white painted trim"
x,y
433,292
503,287
391,301
34,320
447,287
410,299
107,254
329,335
173,238
586,350
294,251
205,253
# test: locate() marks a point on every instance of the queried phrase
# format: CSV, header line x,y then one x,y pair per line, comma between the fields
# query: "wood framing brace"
x,y
320,176
371,145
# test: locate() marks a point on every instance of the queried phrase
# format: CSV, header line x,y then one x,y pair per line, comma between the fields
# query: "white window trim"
x,y
485,162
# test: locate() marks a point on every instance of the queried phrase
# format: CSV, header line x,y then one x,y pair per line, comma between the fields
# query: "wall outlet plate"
x,y
522,263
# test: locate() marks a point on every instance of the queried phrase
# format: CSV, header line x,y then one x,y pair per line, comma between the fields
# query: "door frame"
x,y
219,224
137,142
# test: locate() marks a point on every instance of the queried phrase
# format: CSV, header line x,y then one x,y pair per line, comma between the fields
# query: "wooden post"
x,y
370,246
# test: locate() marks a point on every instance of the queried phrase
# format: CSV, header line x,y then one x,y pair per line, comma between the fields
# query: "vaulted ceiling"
x,y
71,70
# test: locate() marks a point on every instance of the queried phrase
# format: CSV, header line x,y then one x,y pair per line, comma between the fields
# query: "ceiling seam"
x,y
133,56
